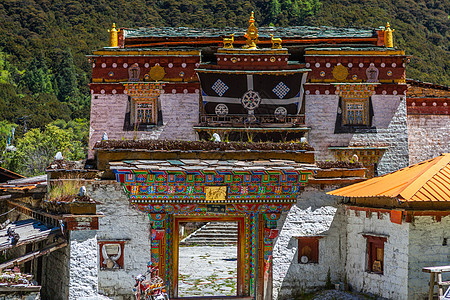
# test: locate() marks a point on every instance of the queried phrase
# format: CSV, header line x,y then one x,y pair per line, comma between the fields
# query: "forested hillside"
x,y
44,73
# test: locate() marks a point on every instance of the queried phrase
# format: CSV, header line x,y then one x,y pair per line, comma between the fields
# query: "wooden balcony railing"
x,y
257,121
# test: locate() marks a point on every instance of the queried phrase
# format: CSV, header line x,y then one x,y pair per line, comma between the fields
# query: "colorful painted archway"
x,y
250,193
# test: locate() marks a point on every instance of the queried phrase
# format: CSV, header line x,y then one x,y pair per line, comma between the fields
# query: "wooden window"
x,y
375,253
145,111
308,249
355,112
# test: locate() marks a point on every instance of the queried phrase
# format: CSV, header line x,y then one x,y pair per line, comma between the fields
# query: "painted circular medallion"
x,y
221,109
251,100
280,113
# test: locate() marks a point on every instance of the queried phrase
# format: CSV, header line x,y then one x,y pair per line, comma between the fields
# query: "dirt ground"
x,y
207,271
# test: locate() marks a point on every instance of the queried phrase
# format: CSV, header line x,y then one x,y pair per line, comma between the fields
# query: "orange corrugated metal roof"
x,y
426,181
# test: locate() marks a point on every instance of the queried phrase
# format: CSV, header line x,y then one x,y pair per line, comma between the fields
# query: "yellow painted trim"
x,y
257,52
147,52
312,80
353,52
176,79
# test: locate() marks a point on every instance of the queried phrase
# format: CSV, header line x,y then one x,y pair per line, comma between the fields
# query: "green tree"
x,y
37,148
37,78
6,136
65,77
275,10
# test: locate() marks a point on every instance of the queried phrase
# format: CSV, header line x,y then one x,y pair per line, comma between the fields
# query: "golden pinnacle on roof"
x,y
388,37
252,33
113,39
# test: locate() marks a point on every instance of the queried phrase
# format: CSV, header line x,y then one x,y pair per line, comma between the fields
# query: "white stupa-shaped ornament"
x,y
216,137
59,156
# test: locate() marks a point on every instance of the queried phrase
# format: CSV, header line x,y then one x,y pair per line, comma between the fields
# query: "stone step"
x,y
213,234
210,239
209,243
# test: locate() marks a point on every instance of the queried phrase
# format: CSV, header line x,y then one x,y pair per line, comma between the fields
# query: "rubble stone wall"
x,y
314,214
121,222
427,248
428,136
179,111
55,275
393,283
389,119
83,265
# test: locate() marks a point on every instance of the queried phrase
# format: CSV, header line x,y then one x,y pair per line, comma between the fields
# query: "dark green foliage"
x,y
37,77
36,149
44,72
421,28
30,27
65,76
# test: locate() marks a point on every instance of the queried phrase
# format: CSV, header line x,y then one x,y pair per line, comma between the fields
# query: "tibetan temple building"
x,y
177,117
342,90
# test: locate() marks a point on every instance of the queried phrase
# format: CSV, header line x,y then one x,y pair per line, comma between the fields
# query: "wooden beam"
x,y
33,255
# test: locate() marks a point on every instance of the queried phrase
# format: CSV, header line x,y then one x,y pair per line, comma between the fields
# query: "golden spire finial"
x,y
388,36
113,39
252,33
252,18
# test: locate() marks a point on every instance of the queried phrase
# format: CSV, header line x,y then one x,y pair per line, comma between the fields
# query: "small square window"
x,y
375,253
354,115
308,249
145,112
356,112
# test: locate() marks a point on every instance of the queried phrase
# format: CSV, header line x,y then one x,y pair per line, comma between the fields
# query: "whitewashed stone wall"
x,y
180,113
393,283
83,269
389,119
121,222
429,136
314,214
427,249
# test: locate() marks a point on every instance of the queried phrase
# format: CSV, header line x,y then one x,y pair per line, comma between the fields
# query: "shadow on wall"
x,y
301,278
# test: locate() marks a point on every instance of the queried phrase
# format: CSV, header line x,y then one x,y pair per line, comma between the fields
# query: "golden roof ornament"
x,y
252,34
157,73
228,42
388,37
276,42
113,39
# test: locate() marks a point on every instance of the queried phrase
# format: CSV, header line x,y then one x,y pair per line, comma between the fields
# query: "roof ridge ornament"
x,y
228,42
252,34
388,36
113,38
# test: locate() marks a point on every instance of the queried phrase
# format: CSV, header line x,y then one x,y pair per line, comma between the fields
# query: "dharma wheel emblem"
x,y
157,73
221,109
251,100
340,72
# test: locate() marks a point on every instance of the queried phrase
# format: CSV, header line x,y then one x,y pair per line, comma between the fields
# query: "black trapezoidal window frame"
x,y
340,127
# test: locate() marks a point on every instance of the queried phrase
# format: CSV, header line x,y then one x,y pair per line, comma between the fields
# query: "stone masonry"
x,y
389,119
428,136
121,222
393,284
429,245
180,114
314,214
83,264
